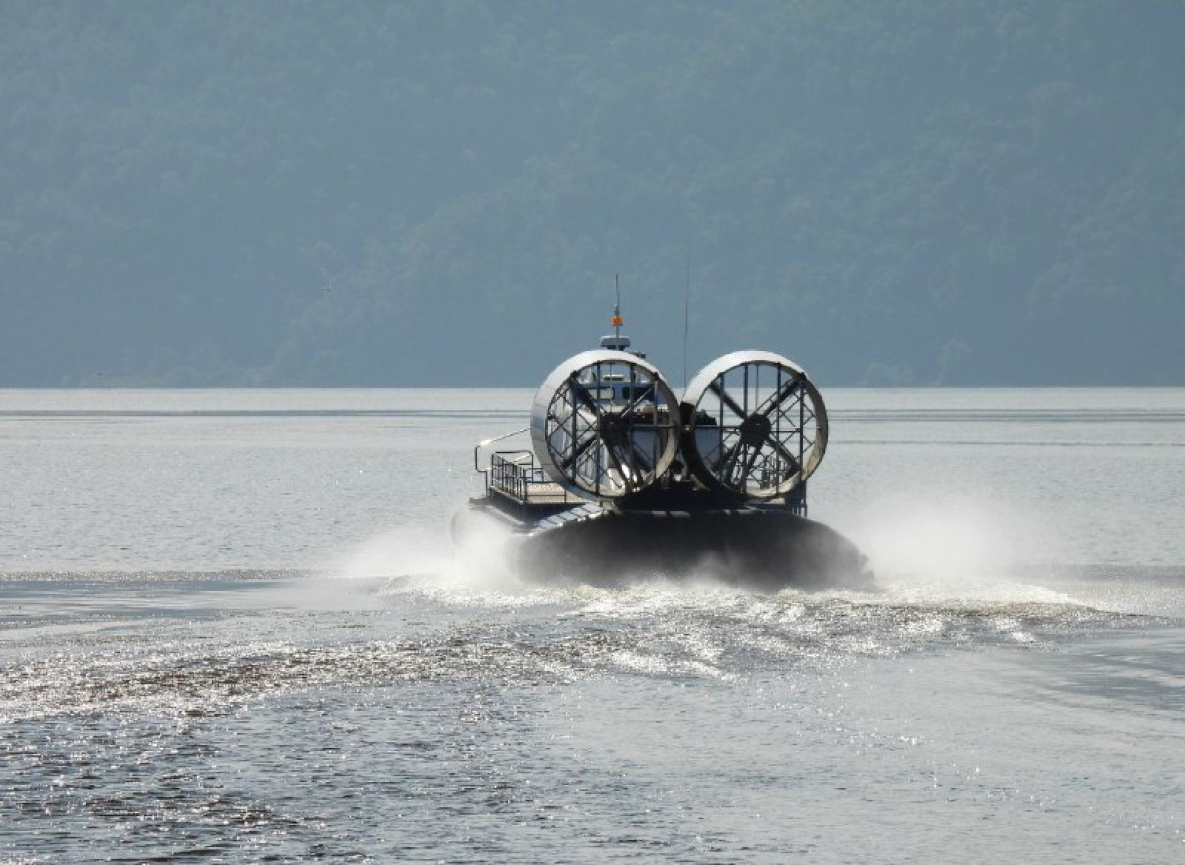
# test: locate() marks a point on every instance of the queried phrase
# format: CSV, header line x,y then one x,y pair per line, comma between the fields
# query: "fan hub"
x,y
613,430
755,429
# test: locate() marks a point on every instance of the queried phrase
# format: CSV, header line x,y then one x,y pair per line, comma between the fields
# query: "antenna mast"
x,y
617,319
686,314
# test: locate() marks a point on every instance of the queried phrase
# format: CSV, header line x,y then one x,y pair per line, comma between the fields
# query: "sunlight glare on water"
x,y
235,628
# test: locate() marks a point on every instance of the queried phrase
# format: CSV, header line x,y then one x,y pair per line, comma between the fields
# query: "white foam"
x,y
397,552
953,549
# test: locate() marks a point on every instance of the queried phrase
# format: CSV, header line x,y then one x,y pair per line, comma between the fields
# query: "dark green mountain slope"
x,y
441,193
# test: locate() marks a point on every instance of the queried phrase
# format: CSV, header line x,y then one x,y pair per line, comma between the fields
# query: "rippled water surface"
x,y
233,629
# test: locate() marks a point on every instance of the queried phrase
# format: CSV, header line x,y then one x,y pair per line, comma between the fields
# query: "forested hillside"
x,y
440,193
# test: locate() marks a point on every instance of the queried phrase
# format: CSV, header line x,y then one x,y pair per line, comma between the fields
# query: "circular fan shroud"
x,y
597,446
756,425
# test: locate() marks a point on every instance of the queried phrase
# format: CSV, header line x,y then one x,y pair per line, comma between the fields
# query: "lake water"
x,y
233,629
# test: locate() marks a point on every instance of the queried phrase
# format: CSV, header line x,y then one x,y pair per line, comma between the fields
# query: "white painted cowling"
x,y
756,425
605,424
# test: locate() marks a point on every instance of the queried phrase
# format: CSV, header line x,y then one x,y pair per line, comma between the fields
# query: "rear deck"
x,y
515,477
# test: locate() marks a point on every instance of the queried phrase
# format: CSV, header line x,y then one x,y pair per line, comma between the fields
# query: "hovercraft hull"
x,y
764,548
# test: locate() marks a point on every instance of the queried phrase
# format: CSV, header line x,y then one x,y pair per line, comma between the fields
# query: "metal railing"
x,y
511,473
515,475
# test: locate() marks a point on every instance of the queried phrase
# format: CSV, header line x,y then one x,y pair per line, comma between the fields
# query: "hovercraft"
x,y
623,481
